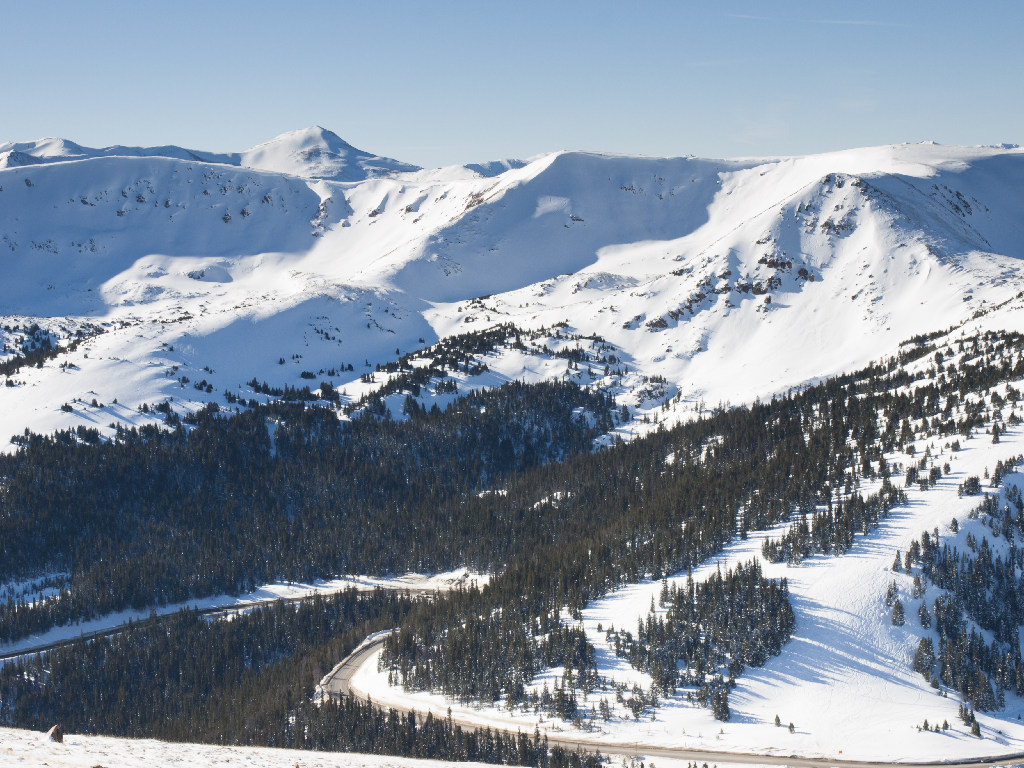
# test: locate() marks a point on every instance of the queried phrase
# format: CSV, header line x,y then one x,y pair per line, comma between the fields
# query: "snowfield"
x,y
845,679
33,750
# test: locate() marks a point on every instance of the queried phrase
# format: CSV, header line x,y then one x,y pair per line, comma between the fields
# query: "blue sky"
x,y
455,82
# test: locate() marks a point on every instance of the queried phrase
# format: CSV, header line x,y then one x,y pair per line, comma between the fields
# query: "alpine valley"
x,y
713,458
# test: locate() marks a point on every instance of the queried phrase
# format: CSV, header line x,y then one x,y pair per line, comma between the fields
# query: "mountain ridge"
x,y
312,152
728,279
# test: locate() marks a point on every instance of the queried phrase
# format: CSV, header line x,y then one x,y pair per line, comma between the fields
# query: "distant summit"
x,y
310,153
320,154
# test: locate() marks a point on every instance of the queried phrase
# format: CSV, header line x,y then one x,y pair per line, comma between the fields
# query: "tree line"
x,y
669,501
277,492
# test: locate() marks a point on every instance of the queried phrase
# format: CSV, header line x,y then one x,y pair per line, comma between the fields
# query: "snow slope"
x,y
731,279
318,153
30,749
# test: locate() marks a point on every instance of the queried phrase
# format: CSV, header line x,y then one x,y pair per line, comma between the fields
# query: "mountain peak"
x,y
316,152
308,138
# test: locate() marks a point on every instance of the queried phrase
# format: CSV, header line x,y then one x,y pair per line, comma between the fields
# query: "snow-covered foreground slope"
x,y
31,749
729,279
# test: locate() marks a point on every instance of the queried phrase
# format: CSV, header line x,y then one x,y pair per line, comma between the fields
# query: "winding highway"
x,y
338,683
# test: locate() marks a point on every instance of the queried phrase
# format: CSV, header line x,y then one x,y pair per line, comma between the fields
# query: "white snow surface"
x,y
30,749
318,153
845,679
263,264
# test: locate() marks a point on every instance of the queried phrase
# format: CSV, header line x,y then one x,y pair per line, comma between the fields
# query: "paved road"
x,y
338,682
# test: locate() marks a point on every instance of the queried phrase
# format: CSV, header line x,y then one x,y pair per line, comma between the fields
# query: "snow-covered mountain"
x,y
317,153
138,276
314,153
726,279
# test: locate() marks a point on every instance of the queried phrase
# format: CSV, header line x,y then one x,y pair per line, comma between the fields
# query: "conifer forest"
x,y
508,482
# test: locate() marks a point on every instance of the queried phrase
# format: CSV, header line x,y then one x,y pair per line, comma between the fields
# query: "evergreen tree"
x,y
924,615
898,618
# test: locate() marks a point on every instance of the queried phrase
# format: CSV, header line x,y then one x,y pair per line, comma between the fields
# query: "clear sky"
x,y
438,83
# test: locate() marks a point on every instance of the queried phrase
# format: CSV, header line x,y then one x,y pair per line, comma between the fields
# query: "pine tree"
x,y
925,616
890,593
924,658
898,617
720,704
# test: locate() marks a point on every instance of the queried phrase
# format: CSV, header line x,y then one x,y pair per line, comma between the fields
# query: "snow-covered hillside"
x,y
184,274
31,749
